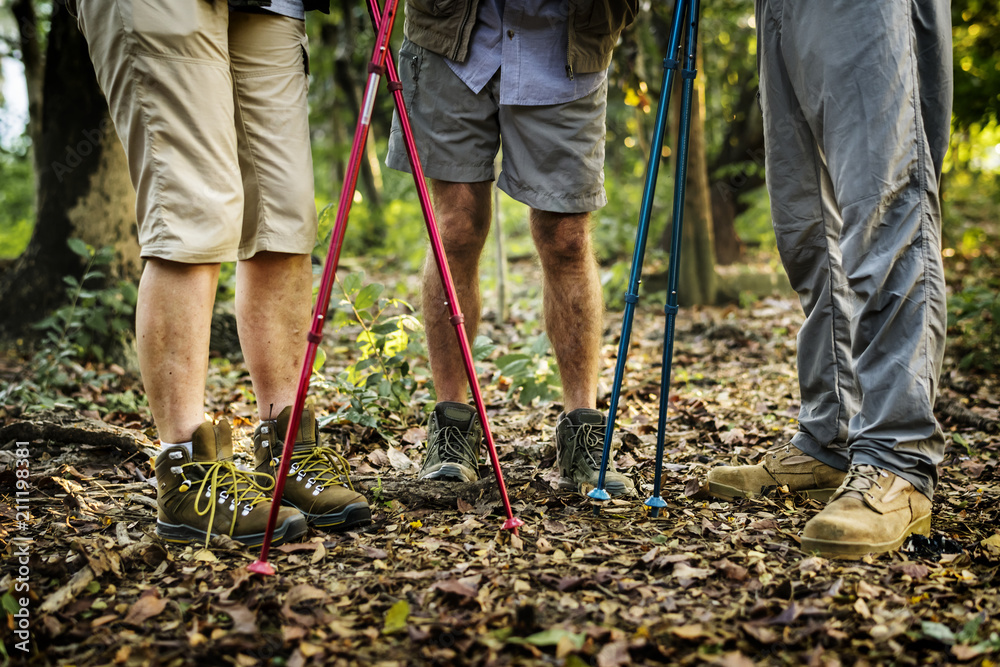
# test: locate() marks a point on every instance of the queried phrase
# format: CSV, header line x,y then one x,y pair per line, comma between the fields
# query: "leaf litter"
x,y
434,581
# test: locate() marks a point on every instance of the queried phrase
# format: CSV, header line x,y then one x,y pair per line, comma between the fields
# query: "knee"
x,y
561,239
463,215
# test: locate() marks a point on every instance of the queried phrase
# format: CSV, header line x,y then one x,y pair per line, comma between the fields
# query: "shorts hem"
x,y
552,202
185,255
473,173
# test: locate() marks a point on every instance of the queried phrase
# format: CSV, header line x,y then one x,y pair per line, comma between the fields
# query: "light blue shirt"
x,y
527,40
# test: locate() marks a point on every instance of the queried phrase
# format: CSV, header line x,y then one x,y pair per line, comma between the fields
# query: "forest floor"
x,y
435,581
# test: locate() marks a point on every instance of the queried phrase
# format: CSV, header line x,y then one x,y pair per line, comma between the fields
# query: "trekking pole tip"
x,y
599,494
513,524
261,567
656,503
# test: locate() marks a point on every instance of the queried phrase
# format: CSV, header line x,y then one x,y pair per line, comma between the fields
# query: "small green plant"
x,y
94,325
531,373
974,324
96,322
379,385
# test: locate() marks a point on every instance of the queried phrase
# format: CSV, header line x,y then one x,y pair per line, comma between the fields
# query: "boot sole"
x,y
854,551
355,514
449,472
725,492
613,488
293,528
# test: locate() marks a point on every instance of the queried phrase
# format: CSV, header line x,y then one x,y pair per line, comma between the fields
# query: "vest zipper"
x,y
461,30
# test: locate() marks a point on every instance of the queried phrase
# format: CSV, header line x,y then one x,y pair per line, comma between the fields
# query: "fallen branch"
x,y
71,428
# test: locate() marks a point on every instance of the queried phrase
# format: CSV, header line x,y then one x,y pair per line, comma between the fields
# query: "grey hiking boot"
x,y
579,445
453,440
317,484
207,494
786,465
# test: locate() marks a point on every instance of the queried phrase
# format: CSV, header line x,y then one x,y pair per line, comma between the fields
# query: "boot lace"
x,y
321,464
862,478
454,447
588,445
242,488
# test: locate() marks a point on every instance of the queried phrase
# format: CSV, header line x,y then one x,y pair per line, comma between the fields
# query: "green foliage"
x,y
972,268
17,213
378,386
973,315
530,373
976,43
94,325
96,321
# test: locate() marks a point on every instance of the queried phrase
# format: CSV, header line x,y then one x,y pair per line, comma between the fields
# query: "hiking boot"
x,y
579,446
454,437
317,474
873,511
785,466
207,494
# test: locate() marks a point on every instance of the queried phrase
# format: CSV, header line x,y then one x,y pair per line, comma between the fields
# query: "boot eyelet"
x,y
185,485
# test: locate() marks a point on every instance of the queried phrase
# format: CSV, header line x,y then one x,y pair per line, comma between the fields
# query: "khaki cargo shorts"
x,y
211,109
553,155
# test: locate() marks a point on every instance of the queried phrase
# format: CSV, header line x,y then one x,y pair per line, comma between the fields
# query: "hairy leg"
x,y
573,303
273,301
173,319
463,216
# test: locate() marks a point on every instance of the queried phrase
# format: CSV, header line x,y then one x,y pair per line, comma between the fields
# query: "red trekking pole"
x,y
376,67
457,319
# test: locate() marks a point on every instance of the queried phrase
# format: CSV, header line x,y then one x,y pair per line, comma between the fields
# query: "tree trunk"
x,y
34,65
82,184
737,170
696,280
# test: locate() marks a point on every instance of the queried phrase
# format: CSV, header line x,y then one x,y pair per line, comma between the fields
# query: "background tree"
x,y
82,185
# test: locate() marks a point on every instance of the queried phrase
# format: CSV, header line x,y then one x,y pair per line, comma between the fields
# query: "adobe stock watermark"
x,y
92,140
22,552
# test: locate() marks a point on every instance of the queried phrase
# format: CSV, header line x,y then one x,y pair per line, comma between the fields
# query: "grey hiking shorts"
x,y
857,103
553,155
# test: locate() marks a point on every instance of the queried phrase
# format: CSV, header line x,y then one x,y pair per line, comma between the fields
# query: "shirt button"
x,y
510,34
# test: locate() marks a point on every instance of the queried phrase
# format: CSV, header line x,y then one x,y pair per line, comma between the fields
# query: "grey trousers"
x,y
857,101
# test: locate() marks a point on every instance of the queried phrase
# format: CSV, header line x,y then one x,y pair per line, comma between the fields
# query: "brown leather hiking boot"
x,y
314,485
785,466
207,494
873,511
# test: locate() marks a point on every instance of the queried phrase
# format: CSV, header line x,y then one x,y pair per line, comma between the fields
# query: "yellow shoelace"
x,y
323,464
241,486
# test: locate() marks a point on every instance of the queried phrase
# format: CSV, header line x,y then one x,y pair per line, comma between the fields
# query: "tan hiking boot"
x,y
785,466
873,511
316,476
207,494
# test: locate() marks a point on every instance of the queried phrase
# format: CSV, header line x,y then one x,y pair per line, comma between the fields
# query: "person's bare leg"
x,y
173,319
463,216
573,302
273,310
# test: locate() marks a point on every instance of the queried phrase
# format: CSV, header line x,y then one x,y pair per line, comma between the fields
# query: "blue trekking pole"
x,y
686,14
